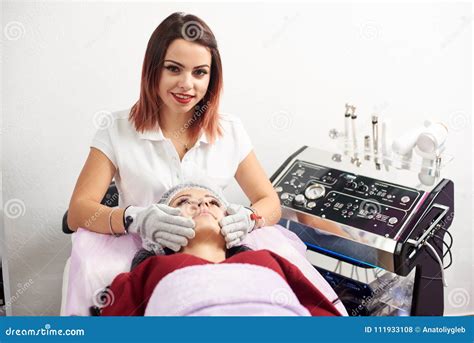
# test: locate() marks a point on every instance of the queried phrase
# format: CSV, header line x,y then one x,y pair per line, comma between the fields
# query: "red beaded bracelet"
x,y
259,220
255,216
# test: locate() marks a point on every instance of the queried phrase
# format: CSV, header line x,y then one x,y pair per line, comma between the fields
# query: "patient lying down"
x,y
206,279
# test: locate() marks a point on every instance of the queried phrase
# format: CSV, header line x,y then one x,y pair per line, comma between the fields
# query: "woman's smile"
x,y
182,98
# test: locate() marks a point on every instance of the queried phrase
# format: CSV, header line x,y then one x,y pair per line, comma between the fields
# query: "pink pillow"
x,y
96,259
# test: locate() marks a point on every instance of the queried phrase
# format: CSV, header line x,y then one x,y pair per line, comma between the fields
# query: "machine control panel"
x,y
362,202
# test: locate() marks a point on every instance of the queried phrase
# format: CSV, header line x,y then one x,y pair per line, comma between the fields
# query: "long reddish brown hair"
x,y
146,111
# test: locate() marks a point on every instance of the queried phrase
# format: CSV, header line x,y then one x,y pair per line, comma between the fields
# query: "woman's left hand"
x,y
236,225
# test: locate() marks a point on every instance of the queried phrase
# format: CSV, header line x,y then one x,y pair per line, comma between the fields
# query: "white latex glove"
x,y
236,225
161,224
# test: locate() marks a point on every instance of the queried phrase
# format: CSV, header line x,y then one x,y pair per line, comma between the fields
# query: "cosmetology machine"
x,y
375,222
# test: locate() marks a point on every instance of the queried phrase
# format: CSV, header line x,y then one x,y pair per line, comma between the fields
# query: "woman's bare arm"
x,y
85,209
256,185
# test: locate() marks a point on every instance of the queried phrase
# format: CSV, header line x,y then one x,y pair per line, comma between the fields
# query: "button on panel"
x,y
393,220
300,199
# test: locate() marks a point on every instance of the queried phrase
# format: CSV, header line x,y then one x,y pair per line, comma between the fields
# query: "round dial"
x,y
315,191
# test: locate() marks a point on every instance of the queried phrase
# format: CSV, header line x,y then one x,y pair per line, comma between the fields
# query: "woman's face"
x,y
201,206
186,73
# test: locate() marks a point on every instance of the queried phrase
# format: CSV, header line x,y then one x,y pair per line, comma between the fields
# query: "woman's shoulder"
x,y
231,123
115,121
228,118
121,116
235,134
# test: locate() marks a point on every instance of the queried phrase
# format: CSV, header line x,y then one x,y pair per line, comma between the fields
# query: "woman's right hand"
x,y
161,224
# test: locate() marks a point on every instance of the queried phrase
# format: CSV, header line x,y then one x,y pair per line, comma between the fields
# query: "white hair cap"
x,y
190,184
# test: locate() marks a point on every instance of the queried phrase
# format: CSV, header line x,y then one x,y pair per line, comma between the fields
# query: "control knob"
x,y
300,199
315,191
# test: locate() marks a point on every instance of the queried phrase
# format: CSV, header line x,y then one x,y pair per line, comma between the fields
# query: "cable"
x,y
428,245
431,278
449,234
447,246
444,245
450,261
448,251
430,253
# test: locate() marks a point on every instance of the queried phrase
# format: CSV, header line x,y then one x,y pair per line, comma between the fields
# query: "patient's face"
x,y
200,205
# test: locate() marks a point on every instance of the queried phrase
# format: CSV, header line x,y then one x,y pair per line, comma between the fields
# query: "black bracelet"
x,y
126,221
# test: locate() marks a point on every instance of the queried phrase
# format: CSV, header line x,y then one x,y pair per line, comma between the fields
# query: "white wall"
x,y
289,69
